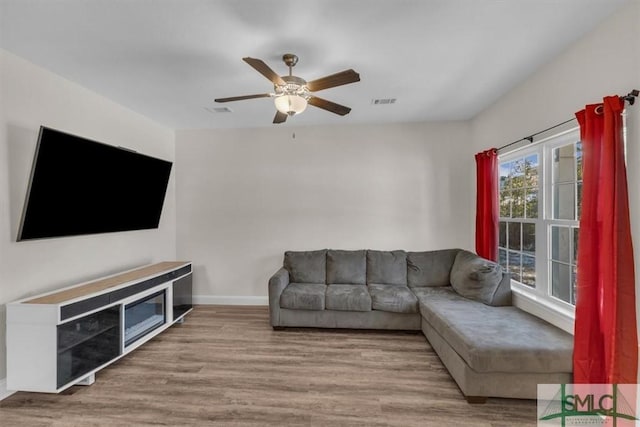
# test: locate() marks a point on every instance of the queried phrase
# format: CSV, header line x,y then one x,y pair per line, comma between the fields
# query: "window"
x,y
540,198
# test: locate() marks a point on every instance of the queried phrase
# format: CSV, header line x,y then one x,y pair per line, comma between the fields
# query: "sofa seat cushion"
x,y
348,298
496,339
303,296
395,299
346,267
430,268
388,267
306,266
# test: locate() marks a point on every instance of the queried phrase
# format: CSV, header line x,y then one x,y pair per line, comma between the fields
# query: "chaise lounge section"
x,y
461,302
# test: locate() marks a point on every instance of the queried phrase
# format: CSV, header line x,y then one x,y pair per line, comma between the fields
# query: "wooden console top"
x,y
104,284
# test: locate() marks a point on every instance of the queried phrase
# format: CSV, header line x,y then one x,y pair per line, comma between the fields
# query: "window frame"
x,y
542,292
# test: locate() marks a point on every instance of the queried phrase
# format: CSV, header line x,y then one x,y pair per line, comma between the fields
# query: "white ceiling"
x,y
168,59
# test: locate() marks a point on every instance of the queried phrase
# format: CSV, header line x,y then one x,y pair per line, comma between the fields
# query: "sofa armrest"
x,y
277,283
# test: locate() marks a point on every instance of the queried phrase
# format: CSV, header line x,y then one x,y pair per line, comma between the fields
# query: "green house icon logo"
x,y
587,405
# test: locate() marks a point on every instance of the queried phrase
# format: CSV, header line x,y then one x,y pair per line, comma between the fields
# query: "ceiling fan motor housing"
x,y
290,59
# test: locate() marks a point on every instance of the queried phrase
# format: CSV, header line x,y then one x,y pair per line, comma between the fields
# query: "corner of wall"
x,y
4,393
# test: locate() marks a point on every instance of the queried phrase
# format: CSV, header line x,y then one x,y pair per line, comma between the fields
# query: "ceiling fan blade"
x,y
337,79
265,70
240,98
280,117
329,106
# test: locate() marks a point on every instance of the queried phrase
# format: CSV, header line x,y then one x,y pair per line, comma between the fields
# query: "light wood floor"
x,y
225,366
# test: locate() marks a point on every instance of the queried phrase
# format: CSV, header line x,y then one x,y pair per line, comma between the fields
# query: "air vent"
x,y
219,109
383,101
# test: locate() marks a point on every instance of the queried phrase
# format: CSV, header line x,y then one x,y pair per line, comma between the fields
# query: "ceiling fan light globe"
x,y
290,104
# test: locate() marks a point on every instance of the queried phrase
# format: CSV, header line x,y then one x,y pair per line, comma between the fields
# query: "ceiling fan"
x,y
292,94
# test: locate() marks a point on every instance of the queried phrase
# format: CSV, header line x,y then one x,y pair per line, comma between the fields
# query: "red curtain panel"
x,y
487,214
606,342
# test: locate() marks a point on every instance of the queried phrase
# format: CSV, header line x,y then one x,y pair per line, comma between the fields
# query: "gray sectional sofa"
x,y
461,302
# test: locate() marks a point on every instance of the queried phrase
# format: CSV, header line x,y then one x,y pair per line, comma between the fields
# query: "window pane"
x,y
564,201
505,204
560,249
579,160
504,170
529,238
576,232
529,270
502,235
579,200
514,265
574,285
564,164
531,203
531,170
513,230
517,206
561,282
517,173
502,258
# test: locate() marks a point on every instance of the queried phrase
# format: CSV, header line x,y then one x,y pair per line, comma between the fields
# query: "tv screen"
x,y
79,186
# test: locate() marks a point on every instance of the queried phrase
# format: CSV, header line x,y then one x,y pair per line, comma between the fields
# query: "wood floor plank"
x,y
225,366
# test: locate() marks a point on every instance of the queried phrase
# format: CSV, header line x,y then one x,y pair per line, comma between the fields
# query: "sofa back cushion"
x,y
432,268
387,267
479,279
306,266
346,267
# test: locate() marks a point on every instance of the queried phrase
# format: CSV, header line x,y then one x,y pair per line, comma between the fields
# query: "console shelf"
x,y
62,338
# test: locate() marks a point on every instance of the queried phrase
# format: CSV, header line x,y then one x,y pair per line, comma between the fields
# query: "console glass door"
x,y
143,316
182,296
87,343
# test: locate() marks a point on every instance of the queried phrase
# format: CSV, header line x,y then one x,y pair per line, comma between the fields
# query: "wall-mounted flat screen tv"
x,y
79,186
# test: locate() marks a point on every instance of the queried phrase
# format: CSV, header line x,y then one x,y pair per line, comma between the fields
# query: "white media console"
x,y
62,338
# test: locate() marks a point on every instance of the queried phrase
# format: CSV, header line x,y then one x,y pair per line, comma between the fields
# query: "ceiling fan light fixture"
x,y
290,104
292,94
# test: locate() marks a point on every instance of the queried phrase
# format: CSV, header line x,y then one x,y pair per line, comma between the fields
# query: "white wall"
x,y
605,62
30,97
246,196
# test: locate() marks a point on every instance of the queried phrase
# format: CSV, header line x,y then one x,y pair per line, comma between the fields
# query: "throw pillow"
x,y
479,279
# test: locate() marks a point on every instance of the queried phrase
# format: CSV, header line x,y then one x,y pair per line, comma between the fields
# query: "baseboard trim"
x,y
4,393
229,300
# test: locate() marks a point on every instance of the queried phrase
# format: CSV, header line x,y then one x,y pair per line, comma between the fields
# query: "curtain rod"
x,y
630,98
